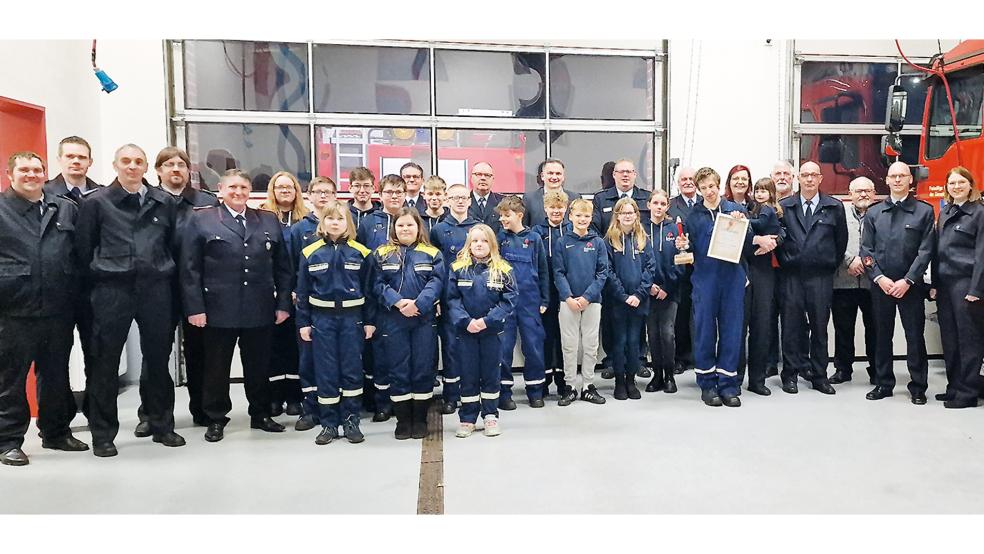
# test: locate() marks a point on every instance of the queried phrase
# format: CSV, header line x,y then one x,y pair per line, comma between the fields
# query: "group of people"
x,y
361,305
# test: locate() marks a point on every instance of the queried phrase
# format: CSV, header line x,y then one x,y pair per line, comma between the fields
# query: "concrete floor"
x,y
664,454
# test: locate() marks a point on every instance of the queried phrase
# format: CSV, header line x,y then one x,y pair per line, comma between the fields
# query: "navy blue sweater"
x,y
580,266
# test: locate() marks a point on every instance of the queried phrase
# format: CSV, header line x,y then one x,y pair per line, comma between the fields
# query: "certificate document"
x,y
728,238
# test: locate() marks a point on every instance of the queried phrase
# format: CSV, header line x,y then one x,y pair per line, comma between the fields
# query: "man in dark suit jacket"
x,y
604,201
484,200
682,204
680,207
235,279
816,239
413,175
551,178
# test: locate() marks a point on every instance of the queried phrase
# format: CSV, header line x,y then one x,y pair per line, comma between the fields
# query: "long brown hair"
x,y
298,210
421,230
975,193
767,184
727,183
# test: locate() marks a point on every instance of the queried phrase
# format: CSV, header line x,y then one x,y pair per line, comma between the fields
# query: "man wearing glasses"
x,y
413,176
484,201
604,202
852,290
816,239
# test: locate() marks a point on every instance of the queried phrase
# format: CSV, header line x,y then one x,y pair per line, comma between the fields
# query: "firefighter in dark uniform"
x,y
897,243
814,246
172,166
958,281
235,281
75,158
484,201
37,299
125,241
679,210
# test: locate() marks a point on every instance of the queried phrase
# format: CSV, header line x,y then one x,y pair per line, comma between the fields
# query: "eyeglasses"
x,y
282,188
322,193
478,174
809,175
173,165
624,171
457,198
392,192
361,187
627,213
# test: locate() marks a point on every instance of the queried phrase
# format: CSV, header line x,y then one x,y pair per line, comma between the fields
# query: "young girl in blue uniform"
x,y
664,294
407,275
333,315
481,296
630,276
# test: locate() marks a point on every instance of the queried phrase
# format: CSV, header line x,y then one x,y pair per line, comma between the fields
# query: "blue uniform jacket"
x,y
766,223
472,296
820,245
699,226
662,243
604,203
630,272
525,253
415,272
580,266
374,230
899,247
550,235
449,237
358,215
960,241
333,275
431,222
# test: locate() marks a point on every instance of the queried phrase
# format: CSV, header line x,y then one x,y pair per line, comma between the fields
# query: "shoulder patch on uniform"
x,y
311,248
358,246
459,264
385,250
421,247
502,265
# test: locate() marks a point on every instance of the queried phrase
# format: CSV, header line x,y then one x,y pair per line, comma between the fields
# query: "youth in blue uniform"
x,y
524,252
334,317
449,237
555,206
664,294
481,297
373,232
408,275
630,277
718,295
433,192
321,192
362,183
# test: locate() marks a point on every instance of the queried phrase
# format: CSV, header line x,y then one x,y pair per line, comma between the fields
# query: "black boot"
x,y
630,386
403,411
620,392
657,381
418,428
669,385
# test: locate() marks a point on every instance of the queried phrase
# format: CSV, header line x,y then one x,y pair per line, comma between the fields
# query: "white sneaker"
x,y
465,430
492,426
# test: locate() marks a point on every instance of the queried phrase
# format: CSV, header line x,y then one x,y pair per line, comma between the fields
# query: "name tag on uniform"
x,y
390,267
317,267
608,209
464,283
423,267
495,286
350,265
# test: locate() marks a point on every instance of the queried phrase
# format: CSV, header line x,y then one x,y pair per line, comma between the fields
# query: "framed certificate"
x,y
728,238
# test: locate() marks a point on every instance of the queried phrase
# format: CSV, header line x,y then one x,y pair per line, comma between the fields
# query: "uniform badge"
x,y
526,243
268,245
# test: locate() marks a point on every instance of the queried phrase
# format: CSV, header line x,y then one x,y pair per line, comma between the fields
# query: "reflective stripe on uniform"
x,y
277,378
292,376
703,371
350,393
504,382
381,387
468,399
490,395
423,395
368,376
328,401
401,397
332,304
452,379
535,382
727,373
309,389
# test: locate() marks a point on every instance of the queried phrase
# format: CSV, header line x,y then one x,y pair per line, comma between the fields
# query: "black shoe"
x,y
919,399
840,377
951,403
823,387
942,397
67,444
170,438
710,397
790,387
214,433
352,431
449,408
620,392
403,412
276,408
507,404
644,373
326,435
771,371
14,457
607,373
294,409
656,384
536,403
878,393
569,396
382,415
592,395
305,423
630,387
104,449
731,401
760,390
142,429
267,424
669,384
678,369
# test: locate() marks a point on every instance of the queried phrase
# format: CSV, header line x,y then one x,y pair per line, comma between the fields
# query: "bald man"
x,y
483,200
816,238
897,244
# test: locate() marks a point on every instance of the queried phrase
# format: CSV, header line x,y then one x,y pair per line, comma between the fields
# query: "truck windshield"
x,y
967,88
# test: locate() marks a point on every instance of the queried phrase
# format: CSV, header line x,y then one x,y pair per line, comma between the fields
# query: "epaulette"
x,y
309,249
458,264
362,249
385,250
196,208
208,192
421,247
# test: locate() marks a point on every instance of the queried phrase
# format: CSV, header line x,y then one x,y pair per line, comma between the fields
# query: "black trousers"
x,y
660,328
760,305
254,352
285,381
193,345
684,325
912,311
115,306
46,341
806,304
83,321
844,312
962,334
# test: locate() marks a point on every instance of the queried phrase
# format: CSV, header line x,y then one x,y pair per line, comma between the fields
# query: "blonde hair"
x,y
580,204
435,183
499,269
298,210
337,210
615,235
555,198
